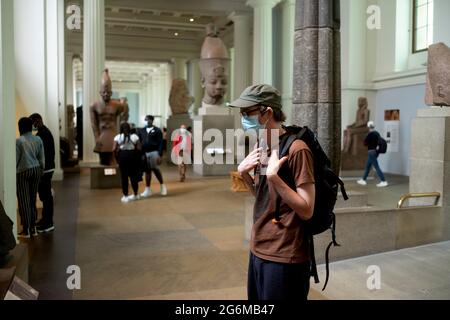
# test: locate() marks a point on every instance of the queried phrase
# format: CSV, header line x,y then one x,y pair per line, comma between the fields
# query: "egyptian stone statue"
x,y
179,98
438,75
105,117
359,126
214,63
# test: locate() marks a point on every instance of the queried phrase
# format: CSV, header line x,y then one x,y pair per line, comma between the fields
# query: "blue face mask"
x,y
251,123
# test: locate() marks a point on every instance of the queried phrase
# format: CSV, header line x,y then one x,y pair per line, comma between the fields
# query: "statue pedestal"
x,y
174,122
430,160
356,157
105,177
214,146
207,109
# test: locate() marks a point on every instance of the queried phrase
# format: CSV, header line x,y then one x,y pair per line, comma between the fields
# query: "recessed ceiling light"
x,y
191,20
176,34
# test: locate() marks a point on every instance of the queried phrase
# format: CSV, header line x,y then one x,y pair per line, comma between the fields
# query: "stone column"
x,y
194,83
61,30
262,40
55,97
430,160
317,73
242,52
7,112
242,77
287,56
93,65
69,81
179,68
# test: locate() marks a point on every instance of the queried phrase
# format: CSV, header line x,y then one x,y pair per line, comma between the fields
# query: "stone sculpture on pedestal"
x,y
354,155
179,98
105,116
213,63
438,76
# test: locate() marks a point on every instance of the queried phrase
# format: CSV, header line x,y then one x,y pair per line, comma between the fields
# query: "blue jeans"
x,y
372,161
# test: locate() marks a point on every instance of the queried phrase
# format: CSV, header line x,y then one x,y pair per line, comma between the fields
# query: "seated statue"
x,y
358,127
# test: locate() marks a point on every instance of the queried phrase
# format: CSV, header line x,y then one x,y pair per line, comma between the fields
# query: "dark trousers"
x,y
45,194
129,169
27,188
269,280
372,160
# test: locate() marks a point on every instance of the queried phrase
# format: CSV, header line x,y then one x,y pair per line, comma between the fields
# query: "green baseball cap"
x,y
260,94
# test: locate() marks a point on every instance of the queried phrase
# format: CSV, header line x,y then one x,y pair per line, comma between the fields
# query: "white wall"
x,y
7,113
29,34
442,21
408,100
380,65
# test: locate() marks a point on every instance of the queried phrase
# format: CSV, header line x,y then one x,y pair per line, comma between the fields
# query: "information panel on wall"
x,y
392,130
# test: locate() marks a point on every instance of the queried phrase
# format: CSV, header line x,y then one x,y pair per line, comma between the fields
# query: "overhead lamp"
x,y
176,34
191,19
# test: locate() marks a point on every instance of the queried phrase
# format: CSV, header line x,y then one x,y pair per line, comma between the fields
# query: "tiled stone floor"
x,y
188,245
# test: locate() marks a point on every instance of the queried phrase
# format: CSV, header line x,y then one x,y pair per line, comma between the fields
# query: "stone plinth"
x,y
213,110
356,157
174,122
105,177
430,158
216,147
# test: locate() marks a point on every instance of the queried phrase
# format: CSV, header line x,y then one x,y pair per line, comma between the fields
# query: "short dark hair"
x,y
278,114
36,116
25,125
149,117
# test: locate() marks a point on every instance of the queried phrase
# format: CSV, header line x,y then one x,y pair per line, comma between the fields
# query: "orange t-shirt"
x,y
283,242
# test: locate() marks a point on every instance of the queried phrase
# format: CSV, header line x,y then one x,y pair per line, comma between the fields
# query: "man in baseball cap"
x,y
279,266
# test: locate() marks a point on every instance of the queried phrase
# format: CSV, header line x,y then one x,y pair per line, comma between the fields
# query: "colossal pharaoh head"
x,y
214,63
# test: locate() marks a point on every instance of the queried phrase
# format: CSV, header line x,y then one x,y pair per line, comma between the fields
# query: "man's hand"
x,y
251,161
274,164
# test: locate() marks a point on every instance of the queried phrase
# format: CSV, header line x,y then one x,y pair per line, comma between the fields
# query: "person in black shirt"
x,y
371,142
45,184
151,139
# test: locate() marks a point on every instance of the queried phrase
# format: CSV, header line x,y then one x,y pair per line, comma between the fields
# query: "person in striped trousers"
x,y
30,163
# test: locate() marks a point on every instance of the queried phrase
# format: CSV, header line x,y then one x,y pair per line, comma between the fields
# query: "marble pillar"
x,y
55,96
262,40
194,84
93,65
179,68
7,112
430,160
242,77
317,73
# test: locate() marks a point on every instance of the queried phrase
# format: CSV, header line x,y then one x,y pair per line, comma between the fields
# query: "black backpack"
x,y
382,145
326,184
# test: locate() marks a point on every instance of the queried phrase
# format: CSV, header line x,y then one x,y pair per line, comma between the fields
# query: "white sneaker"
x,y
362,182
147,193
382,184
163,190
124,199
134,197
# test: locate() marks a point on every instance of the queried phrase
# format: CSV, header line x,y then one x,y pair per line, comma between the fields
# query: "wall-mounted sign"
x,y
392,130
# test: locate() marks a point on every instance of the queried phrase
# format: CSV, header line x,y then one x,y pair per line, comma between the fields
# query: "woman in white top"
x,y
127,149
